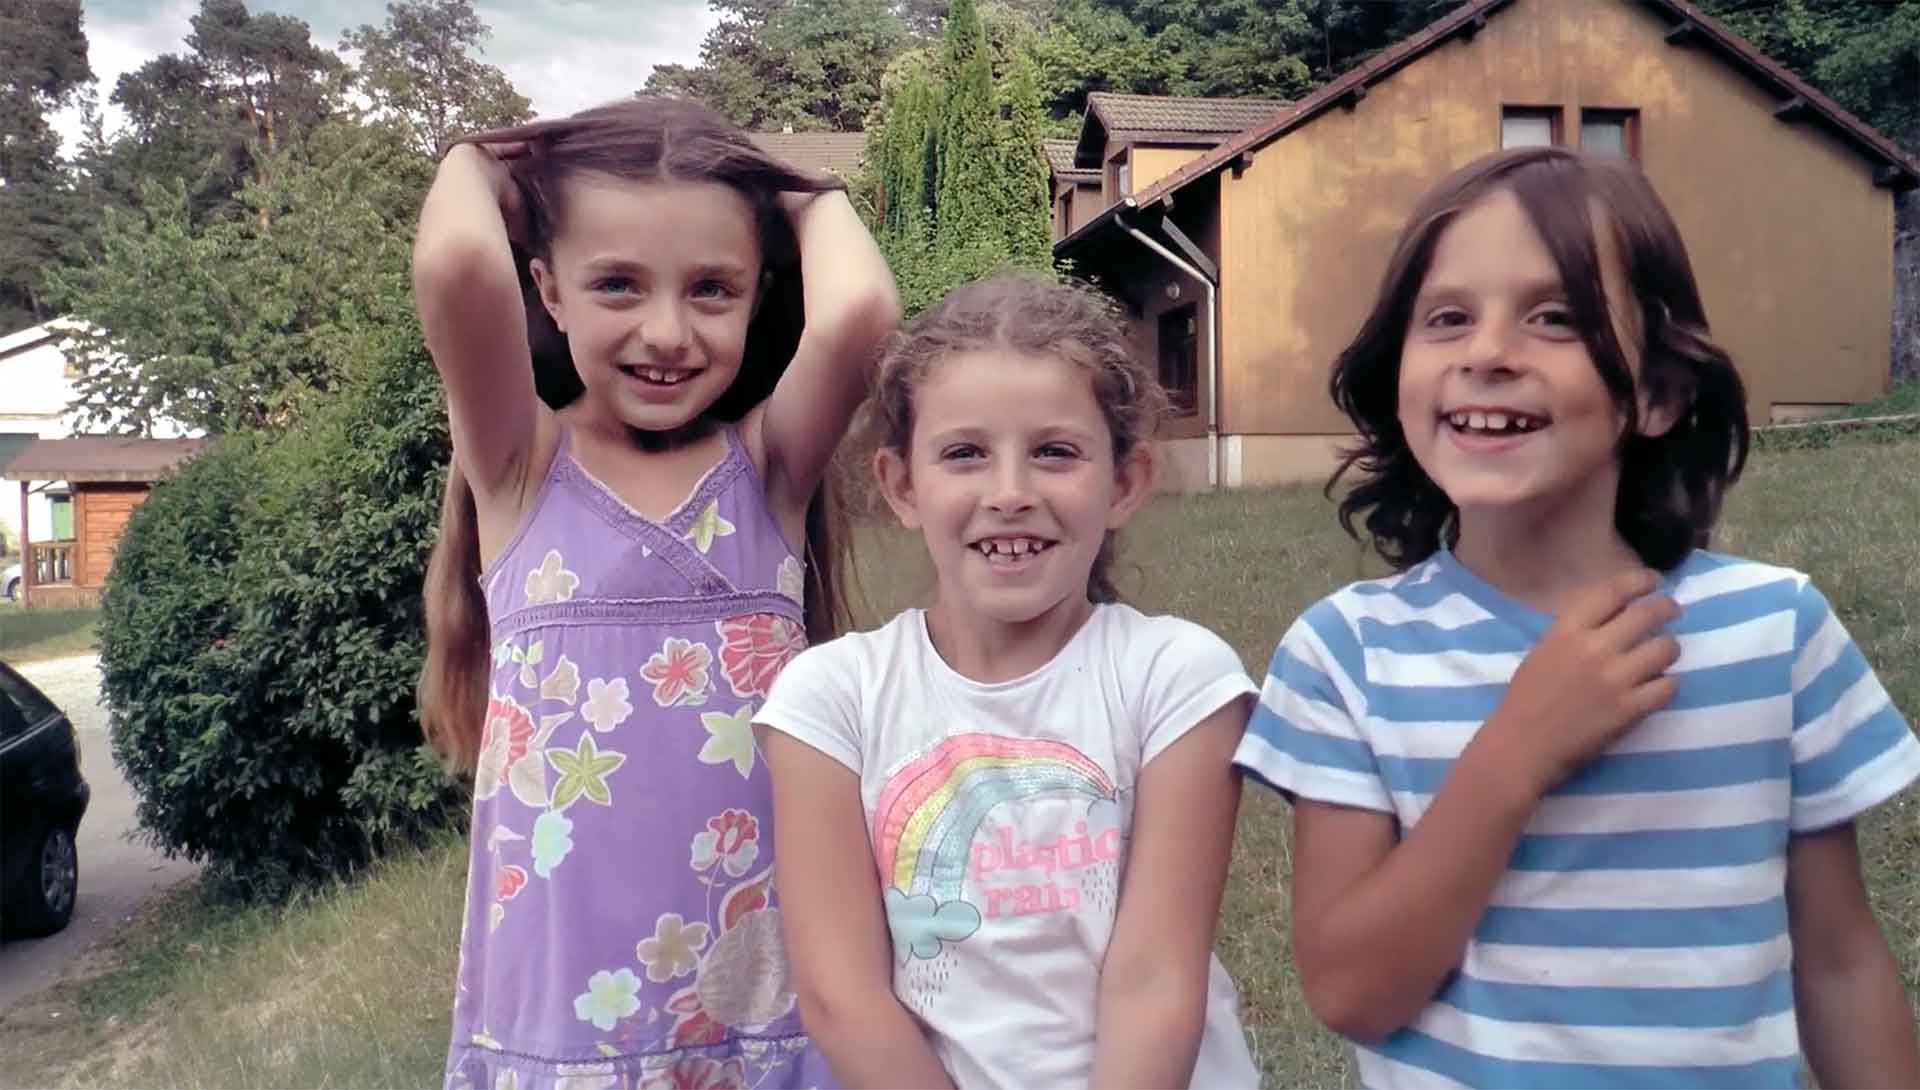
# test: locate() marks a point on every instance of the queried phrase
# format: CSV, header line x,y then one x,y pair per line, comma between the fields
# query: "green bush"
x,y
1841,431
262,632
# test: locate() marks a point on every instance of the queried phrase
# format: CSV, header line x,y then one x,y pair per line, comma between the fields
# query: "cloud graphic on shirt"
x,y
1104,814
921,924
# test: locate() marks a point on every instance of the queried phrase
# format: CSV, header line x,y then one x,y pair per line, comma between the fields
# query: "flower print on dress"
x,y
790,579
503,744
583,772
730,841
754,649
744,979
709,526
529,657
609,997
606,706
699,1073
552,840
551,581
674,949
678,673
508,885
691,1023
563,684
731,739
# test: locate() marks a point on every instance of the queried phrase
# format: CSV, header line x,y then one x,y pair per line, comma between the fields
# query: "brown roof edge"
x,y
92,458
1771,71
1099,107
1354,81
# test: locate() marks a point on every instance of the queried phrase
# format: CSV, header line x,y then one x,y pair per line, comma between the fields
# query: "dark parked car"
x,y
42,795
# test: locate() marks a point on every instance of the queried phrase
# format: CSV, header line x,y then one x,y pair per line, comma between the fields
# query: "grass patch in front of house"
x,y
353,987
1901,399
33,635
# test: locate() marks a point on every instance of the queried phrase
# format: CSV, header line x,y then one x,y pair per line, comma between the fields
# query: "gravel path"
x,y
117,873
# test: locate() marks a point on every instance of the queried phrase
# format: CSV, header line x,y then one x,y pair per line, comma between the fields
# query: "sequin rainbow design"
x,y
928,814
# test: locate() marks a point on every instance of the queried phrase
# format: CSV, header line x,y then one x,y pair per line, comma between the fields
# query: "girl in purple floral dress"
x,y
619,580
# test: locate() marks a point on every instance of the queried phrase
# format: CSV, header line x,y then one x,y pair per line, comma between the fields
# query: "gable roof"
x,y
98,458
1894,167
33,336
838,152
1174,113
1167,119
1059,155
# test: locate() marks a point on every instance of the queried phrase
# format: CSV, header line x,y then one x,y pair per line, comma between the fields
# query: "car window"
x,y
36,709
11,722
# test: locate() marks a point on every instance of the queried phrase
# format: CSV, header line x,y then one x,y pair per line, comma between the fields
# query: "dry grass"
x,y
353,987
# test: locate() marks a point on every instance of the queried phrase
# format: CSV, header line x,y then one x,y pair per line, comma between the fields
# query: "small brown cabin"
x,y
107,477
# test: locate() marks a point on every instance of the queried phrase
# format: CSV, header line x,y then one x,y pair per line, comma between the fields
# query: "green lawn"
x,y
29,635
351,988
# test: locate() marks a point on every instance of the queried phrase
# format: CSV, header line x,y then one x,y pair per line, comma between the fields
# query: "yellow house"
x,y
1249,263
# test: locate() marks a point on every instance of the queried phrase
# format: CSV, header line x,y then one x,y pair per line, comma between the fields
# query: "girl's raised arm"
x,y
851,308
467,291
1153,983
836,927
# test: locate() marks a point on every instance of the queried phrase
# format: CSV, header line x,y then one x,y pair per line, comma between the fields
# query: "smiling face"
x,y
654,285
1010,476
1499,397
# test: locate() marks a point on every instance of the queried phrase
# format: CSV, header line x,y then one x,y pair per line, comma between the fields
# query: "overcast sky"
x,y
562,54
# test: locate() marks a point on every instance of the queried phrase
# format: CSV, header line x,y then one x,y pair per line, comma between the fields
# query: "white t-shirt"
x,y
998,815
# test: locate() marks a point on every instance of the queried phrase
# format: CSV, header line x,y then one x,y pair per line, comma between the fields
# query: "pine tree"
x,y
1026,200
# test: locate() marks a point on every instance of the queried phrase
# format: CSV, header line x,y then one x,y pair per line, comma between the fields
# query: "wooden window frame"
x,y
1120,169
1629,121
1556,119
1184,396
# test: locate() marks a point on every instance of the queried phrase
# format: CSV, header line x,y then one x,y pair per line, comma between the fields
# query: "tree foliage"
x,y
215,117
225,324
804,64
422,71
956,162
43,65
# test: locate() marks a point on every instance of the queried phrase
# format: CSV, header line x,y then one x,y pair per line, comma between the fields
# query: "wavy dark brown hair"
x,y
641,140
1671,485
1035,316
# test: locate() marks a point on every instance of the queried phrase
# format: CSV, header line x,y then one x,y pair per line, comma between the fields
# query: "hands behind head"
x,y
793,203
492,160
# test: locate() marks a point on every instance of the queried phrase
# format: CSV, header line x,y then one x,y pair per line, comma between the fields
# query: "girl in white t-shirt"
x,y
1038,778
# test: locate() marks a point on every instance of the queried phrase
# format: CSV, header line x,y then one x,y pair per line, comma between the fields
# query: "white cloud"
x,y
565,55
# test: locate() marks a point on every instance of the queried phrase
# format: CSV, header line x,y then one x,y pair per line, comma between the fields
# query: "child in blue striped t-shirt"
x,y
1573,797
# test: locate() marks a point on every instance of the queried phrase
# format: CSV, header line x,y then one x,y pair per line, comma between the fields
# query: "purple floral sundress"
x,y
621,929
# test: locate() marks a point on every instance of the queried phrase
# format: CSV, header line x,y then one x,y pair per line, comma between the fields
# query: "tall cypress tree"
x,y
1025,202
971,166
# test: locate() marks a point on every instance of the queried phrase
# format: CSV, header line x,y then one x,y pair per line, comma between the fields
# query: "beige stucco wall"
x,y
1790,240
1152,163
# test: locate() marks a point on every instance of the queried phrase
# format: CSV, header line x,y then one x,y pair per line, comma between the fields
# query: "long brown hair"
x,y
641,139
1670,485
1030,315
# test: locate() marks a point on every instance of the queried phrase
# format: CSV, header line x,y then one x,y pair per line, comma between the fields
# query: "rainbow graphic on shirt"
x,y
926,818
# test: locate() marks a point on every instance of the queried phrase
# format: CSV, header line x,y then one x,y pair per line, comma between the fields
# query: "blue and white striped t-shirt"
x,y
1639,936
